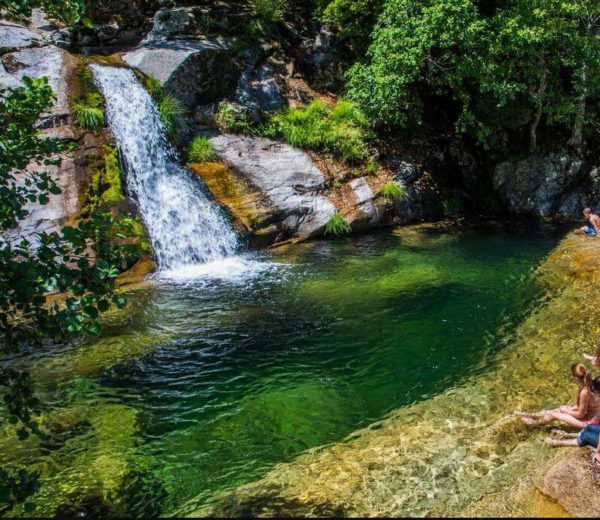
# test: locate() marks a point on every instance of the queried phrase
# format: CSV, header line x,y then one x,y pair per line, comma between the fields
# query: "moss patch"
x,y
106,186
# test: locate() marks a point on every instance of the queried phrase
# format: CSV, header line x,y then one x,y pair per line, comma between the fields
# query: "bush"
x,y
269,12
170,110
341,130
233,118
394,190
337,226
201,150
89,112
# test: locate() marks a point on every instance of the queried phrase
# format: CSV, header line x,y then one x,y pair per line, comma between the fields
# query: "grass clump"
x,y
169,108
201,150
89,112
337,225
341,130
394,191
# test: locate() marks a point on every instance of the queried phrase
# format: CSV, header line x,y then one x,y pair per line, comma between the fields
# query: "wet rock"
x,y
195,72
51,62
288,179
573,482
14,37
364,199
548,185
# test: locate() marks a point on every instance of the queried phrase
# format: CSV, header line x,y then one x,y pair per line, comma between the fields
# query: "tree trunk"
x,y
538,97
576,140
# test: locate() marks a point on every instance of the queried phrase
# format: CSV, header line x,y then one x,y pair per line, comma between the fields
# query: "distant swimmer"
x,y
580,415
593,223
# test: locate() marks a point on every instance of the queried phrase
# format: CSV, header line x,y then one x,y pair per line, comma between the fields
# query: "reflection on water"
x,y
206,383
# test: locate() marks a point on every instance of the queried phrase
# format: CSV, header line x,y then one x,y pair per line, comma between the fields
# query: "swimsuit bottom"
x,y
589,435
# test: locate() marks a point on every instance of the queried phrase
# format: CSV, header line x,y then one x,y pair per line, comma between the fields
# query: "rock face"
x,y
288,179
547,185
14,37
49,61
195,72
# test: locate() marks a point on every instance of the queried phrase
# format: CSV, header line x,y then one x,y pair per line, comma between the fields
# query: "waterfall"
x,y
185,226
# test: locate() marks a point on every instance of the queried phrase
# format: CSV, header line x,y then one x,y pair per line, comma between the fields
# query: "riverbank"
x,y
461,453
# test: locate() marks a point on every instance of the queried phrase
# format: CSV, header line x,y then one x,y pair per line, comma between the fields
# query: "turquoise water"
x,y
204,385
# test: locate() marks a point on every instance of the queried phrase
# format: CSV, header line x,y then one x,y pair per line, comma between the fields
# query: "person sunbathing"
x,y
580,415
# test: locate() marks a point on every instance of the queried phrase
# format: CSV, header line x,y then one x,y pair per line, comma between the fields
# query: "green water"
x,y
203,386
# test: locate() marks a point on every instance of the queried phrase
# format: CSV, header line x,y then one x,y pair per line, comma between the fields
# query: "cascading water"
x,y
185,226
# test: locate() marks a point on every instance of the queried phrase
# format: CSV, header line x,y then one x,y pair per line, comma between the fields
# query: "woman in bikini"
x,y
585,412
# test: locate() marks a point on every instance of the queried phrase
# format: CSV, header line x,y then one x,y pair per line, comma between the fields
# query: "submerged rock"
x,y
194,71
287,177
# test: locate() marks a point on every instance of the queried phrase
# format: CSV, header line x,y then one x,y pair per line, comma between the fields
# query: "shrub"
x,y
170,110
201,150
337,225
452,206
234,119
269,12
89,112
394,190
340,131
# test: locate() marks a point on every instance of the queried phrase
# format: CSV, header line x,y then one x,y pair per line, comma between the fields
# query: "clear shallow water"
x,y
207,382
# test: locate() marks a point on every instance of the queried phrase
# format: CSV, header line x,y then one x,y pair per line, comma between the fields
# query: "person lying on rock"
x,y
595,359
585,412
593,223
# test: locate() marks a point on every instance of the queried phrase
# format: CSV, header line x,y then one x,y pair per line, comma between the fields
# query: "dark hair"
x,y
596,385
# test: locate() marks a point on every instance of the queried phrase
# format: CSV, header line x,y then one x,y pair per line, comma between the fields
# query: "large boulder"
x,y
14,37
194,71
259,89
556,184
52,62
286,177
574,483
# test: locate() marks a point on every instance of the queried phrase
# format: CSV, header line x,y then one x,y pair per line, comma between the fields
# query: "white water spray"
x,y
185,226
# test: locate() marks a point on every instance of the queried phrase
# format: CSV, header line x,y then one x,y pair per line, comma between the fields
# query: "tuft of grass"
x,y
452,206
337,225
170,110
154,88
394,191
201,150
341,130
89,112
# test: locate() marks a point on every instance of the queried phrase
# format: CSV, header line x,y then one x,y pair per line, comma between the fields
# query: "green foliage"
x,y
268,13
497,67
394,191
106,187
154,88
337,225
78,264
69,12
354,19
89,112
340,131
234,119
201,150
170,110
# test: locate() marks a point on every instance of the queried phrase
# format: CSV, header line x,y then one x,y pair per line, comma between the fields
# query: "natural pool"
x,y
205,384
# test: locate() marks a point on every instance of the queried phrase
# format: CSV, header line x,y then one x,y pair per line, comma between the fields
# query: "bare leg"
x,y
533,415
564,434
559,416
565,442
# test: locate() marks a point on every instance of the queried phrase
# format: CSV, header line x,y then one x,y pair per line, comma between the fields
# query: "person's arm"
x,y
596,223
593,360
582,406
596,457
